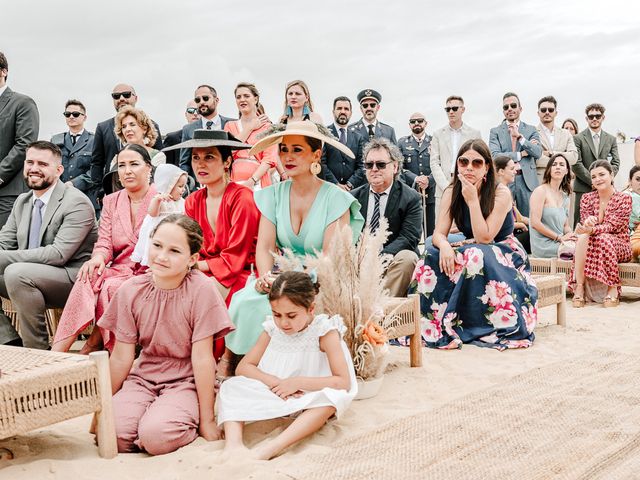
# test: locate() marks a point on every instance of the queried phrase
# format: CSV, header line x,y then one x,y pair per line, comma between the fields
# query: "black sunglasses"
x,y
117,95
475,163
74,114
378,165
596,116
416,120
449,109
368,105
192,110
205,98
545,110
506,106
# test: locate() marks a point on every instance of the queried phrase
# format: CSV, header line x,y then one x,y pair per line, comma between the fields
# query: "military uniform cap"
x,y
369,94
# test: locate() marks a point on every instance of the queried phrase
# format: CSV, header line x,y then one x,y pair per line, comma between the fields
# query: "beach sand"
x,y
66,450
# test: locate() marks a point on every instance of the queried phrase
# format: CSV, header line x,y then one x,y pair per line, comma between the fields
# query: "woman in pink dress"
x,y
110,265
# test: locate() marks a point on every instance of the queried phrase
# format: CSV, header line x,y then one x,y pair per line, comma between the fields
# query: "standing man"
x,y
48,236
387,196
553,139
338,168
417,167
368,126
446,142
173,138
206,98
593,144
19,125
76,146
521,143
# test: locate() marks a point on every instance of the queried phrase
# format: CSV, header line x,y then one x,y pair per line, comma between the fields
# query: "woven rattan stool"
x,y
51,315
40,388
552,290
402,317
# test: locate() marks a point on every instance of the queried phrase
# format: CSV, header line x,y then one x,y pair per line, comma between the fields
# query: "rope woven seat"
x,y
39,388
552,290
402,318
51,315
629,272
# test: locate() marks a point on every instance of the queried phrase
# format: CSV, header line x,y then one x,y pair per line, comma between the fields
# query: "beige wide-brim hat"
x,y
305,128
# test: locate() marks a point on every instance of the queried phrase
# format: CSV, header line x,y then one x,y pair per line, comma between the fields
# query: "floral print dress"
x,y
490,300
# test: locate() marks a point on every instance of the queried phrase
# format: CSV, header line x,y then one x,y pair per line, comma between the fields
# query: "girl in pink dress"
x,y
175,314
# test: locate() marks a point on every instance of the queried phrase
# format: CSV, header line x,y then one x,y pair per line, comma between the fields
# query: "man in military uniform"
x,y
76,145
368,126
417,167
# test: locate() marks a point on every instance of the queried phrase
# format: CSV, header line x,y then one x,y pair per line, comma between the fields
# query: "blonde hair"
x,y
305,89
254,91
149,129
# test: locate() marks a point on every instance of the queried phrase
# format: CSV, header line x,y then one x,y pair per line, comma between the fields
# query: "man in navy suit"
x,y
173,138
368,126
520,142
206,98
337,168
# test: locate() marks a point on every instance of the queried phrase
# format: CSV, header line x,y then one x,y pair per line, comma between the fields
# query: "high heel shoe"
x,y
609,301
578,302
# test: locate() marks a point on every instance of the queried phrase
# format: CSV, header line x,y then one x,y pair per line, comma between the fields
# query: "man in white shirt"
x,y
553,139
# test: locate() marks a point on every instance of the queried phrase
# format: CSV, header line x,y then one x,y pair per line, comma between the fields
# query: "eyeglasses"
x,y
192,110
545,110
596,116
205,98
508,106
449,109
463,162
378,165
117,95
416,120
369,105
74,114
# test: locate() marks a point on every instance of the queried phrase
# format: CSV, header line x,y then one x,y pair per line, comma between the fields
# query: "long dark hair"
x,y
565,184
488,188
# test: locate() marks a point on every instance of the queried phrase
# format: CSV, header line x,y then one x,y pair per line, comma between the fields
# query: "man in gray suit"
x,y
593,144
521,143
48,236
369,127
19,125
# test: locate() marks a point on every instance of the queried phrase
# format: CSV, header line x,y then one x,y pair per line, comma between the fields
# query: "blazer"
x,y
562,143
171,139
500,144
403,212
340,169
187,134
67,234
381,130
587,155
76,159
441,154
416,162
19,126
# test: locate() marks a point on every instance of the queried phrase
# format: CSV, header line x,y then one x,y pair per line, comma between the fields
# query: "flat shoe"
x,y
610,302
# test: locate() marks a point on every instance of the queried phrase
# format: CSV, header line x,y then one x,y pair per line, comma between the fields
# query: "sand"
x,y
66,450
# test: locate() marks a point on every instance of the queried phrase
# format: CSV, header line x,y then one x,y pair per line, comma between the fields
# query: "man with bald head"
x,y
173,138
417,166
105,143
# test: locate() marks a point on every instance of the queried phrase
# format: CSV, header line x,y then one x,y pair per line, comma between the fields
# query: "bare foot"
x,y
234,453
265,451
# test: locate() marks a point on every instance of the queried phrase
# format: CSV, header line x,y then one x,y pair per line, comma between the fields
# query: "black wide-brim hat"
x,y
210,138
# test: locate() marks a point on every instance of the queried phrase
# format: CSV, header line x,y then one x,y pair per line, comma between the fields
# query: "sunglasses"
x,y
416,120
369,105
596,116
192,110
508,106
378,165
117,95
72,114
450,109
545,110
205,98
475,163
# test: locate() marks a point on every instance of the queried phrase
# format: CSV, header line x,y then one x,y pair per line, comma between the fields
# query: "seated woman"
x,y
549,209
480,292
297,104
603,240
634,220
506,174
300,214
122,215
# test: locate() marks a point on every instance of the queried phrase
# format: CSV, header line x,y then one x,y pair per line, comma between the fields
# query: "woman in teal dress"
x,y
300,214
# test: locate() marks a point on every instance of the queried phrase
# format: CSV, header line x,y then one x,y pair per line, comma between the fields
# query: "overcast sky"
x,y
415,53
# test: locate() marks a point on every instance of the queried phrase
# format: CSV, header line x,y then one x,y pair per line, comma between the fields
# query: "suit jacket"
x,y
187,134
67,234
381,130
416,162
403,212
562,143
340,169
500,144
171,139
587,155
441,154
76,159
19,126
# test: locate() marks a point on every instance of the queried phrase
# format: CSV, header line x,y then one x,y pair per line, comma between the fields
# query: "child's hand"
x,y
164,197
287,388
210,431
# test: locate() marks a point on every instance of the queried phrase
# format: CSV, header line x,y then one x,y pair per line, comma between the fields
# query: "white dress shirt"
x,y
550,135
217,122
45,197
2,89
456,141
372,201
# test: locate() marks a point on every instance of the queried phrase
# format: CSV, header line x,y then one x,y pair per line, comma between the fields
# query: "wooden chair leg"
x,y
561,311
106,428
415,347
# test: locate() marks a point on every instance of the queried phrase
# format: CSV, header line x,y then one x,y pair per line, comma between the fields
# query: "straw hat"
x,y
305,128
210,138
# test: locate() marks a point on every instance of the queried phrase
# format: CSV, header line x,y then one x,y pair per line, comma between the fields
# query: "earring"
x,y
289,111
305,110
227,176
315,168
484,179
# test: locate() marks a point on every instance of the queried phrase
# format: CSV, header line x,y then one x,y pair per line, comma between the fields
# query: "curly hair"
x,y
149,129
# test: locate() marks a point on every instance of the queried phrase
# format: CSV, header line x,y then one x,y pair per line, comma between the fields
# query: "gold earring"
x,y
315,168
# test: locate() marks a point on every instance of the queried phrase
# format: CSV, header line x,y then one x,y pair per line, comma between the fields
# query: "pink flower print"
x,y
425,277
497,294
530,315
504,316
503,259
473,261
431,329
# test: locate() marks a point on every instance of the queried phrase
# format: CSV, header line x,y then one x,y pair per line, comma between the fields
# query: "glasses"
x,y
369,105
545,110
378,165
117,95
192,110
72,114
596,116
451,109
205,98
463,162
416,120
508,106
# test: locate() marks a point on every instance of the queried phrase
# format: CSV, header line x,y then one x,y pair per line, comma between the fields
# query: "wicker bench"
x,y
629,272
402,317
552,290
40,388
52,317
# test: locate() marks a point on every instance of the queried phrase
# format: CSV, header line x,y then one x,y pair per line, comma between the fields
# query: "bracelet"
x,y
254,180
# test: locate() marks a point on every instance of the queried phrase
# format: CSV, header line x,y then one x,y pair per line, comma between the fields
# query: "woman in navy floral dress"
x,y
480,291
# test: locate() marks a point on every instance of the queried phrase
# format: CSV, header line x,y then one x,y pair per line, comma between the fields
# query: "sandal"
x,y
578,302
609,301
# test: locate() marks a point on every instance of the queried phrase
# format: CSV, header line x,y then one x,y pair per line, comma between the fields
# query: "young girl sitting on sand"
x,y
170,182
175,313
299,364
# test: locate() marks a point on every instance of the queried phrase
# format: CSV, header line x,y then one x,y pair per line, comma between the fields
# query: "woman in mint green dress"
x,y
300,214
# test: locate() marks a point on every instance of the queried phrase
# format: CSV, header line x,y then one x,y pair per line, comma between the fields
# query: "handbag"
x,y
567,249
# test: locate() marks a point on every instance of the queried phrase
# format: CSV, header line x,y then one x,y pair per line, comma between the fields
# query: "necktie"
x,y
596,142
371,132
74,139
375,218
36,224
343,136
209,124
513,144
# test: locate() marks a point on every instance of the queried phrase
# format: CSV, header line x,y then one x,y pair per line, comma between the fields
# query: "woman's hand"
x,y
568,236
263,284
520,226
287,388
90,268
210,431
469,190
447,260
590,221
264,119
584,229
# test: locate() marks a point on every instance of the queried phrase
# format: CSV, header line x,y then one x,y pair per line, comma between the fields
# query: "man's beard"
x,y
43,184
342,120
417,130
205,110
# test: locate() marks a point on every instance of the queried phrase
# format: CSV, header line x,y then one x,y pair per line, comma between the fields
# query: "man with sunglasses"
x,y
19,125
593,144
76,146
520,142
369,127
173,138
553,138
